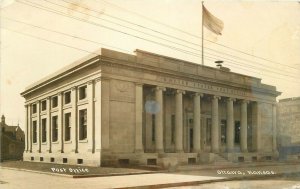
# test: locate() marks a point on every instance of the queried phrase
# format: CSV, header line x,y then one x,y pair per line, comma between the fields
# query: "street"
x,y
291,182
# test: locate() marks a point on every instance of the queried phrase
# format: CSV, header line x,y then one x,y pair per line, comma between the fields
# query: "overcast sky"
x,y
260,39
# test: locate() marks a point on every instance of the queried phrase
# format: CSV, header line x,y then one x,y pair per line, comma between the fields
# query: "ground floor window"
x,y
34,132
54,129
82,124
67,126
44,130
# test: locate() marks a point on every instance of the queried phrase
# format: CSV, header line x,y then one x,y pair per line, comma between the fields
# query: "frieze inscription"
x,y
201,86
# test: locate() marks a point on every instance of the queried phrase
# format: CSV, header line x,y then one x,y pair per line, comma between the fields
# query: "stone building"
x,y
289,121
288,130
12,141
116,108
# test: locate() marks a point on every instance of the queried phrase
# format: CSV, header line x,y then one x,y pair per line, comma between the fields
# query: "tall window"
x,y
34,132
44,130
153,127
173,129
82,92
67,98
54,129
67,126
82,124
208,131
54,102
44,105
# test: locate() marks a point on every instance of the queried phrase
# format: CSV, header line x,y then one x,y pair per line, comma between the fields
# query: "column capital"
x,y
216,97
197,94
245,101
98,79
231,99
74,88
180,91
60,93
139,84
157,88
90,82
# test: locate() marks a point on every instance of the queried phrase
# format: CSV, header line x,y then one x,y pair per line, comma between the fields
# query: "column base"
x,y
197,151
139,151
179,151
160,151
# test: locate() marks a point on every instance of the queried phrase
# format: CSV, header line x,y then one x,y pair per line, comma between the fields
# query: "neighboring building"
x,y
118,108
12,141
288,129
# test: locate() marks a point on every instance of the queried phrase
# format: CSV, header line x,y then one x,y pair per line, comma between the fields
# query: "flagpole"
x,y
202,37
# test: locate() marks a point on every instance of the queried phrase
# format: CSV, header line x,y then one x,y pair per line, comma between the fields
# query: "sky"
x,y
38,37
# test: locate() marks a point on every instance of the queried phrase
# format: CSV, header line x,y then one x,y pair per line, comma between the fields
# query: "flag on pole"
x,y
211,22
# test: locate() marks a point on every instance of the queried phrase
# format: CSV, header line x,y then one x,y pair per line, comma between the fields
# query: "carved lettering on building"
x,y
200,85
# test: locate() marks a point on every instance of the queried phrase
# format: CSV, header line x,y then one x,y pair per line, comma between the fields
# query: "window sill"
x,y
69,105
68,142
34,115
54,109
83,141
34,143
56,142
43,112
83,101
44,143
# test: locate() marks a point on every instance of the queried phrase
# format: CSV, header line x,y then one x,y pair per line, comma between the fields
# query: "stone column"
x,y
90,116
274,127
74,127
230,125
244,125
178,122
38,124
29,120
159,120
48,124
26,129
197,123
215,135
138,118
60,121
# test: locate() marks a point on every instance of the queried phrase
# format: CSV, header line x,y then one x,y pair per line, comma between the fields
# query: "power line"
x,y
66,34
80,49
165,35
103,26
180,50
193,35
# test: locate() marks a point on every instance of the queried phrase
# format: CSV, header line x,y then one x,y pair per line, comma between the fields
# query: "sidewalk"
x,y
179,178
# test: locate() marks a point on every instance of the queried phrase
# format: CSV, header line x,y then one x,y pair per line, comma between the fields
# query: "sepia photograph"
x,y
184,94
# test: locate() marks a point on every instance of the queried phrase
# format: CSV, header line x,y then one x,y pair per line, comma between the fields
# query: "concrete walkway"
x,y
22,179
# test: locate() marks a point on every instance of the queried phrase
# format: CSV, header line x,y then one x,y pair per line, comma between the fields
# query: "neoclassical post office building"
x,y
146,109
